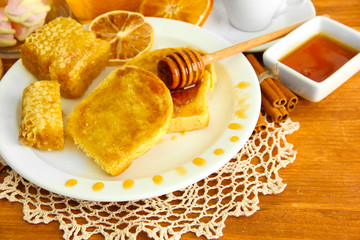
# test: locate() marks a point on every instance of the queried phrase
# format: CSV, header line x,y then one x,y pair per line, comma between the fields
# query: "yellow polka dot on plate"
x,y
219,151
71,182
236,126
243,85
234,138
98,186
158,179
129,183
181,171
199,161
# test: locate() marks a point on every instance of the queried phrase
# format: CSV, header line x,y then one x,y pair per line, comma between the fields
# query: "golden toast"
x,y
191,110
41,120
122,118
62,50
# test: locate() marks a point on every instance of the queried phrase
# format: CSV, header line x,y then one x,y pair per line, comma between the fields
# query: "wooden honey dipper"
x,y
186,67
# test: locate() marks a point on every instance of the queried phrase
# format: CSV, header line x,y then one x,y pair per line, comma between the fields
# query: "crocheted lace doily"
x,y
201,208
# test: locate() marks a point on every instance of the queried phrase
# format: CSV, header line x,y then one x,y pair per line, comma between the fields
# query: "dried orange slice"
x,y
194,11
129,34
86,11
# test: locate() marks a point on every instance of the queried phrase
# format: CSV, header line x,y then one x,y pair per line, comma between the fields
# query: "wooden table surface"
x,y
322,197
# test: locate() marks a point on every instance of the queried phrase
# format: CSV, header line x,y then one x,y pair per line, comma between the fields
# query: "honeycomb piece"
x,y
42,125
64,51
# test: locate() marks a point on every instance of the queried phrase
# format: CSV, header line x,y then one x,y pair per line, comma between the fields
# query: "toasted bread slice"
x,y
191,110
122,118
41,118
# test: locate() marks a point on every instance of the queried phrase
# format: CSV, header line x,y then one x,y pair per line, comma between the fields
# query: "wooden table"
x,y
322,197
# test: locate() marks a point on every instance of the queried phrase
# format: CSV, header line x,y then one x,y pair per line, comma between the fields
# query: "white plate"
x,y
235,100
218,23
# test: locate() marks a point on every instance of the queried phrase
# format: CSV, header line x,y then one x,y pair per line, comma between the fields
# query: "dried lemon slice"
x,y
129,34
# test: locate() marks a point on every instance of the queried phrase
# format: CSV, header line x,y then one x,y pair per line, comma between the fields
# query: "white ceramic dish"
x,y
218,23
172,158
298,83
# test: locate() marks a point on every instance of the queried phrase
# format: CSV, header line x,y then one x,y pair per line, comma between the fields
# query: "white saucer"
x,y
218,23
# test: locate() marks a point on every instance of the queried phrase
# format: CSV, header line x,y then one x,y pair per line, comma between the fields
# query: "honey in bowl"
x,y
319,57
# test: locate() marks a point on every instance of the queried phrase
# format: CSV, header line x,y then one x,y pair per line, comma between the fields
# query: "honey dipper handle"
x,y
244,46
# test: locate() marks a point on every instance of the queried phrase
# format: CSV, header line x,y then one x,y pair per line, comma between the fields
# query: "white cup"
x,y
255,15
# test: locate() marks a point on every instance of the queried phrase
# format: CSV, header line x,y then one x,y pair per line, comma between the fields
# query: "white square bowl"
x,y
298,83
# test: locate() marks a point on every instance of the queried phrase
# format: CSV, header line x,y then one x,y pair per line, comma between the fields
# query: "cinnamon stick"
x,y
268,87
261,124
284,114
278,115
291,98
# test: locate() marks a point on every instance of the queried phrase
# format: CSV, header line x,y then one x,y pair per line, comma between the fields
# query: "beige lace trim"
x,y
201,208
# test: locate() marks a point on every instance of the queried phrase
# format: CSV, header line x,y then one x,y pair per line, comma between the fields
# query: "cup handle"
x,y
287,5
